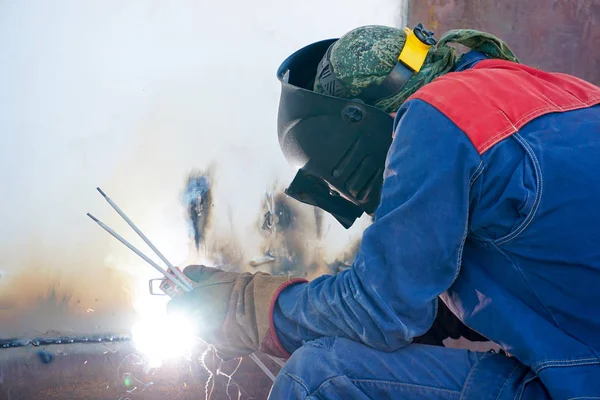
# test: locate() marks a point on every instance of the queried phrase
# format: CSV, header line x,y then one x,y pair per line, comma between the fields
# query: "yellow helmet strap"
x,y
410,62
418,42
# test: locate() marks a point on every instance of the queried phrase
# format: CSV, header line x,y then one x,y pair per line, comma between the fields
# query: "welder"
x,y
481,175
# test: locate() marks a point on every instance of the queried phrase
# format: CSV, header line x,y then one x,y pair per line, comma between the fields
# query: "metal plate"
x,y
113,371
554,35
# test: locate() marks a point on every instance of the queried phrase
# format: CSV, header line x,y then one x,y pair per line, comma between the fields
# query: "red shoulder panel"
x,y
496,98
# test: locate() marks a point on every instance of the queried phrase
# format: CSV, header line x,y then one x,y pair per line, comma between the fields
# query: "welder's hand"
x,y
170,288
233,310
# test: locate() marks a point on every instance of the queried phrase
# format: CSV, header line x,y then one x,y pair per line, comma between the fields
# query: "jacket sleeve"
x,y
408,256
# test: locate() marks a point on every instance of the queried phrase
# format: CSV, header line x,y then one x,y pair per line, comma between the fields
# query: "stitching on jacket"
x,y
494,139
568,107
584,398
298,381
391,383
530,115
578,99
553,103
509,121
541,363
506,382
565,363
538,195
529,285
468,379
528,378
476,174
404,384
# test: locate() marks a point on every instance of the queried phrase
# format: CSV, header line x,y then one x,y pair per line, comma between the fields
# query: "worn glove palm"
x,y
233,311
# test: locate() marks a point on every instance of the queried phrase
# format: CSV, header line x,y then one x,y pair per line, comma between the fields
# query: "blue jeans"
x,y
337,368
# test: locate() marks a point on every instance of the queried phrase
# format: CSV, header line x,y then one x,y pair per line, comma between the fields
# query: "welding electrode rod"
x,y
139,253
148,242
262,366
179,280
276,360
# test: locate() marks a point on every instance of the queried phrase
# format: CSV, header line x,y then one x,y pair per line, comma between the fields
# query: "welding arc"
x,y
145,239
179,280
139,253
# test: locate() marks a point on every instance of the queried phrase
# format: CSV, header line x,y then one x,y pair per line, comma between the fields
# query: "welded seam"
x,y
62,340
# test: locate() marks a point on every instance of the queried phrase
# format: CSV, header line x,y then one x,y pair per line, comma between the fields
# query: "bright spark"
x,y
163,337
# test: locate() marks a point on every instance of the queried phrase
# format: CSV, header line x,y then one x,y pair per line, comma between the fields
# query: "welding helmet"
x,y
340,142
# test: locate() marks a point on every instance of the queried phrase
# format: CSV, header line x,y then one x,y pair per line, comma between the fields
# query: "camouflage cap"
x,y
366,55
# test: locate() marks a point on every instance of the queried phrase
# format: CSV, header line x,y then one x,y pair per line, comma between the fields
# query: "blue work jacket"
x,y
491,202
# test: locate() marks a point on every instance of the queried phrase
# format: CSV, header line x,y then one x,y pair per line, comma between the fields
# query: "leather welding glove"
x,y
233,311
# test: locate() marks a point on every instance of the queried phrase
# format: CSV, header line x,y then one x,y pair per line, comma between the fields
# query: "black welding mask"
x,y
339,144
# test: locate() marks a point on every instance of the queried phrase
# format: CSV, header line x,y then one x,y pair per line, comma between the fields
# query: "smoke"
x,y
134,97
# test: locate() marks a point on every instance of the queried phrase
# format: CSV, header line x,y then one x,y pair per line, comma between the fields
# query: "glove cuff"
x,y
270,343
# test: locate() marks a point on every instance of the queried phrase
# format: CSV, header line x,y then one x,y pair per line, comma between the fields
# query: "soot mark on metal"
x,y
197,199
285,215
346,259
291,250
319,222
293,237
45,356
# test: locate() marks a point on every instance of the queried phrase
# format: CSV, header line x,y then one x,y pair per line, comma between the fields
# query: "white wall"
x,y
131,96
